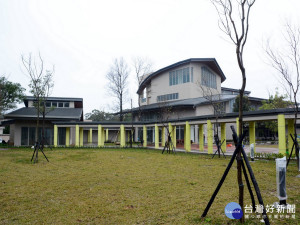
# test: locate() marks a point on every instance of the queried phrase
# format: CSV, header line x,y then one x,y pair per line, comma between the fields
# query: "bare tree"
x,y
41,84
118,82
234,22
286,62
142,68
214,100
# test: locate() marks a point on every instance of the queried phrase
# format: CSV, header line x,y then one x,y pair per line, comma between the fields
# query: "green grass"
x,y
115,186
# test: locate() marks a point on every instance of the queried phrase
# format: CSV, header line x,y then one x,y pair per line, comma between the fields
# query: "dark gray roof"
x,y
234,90
31,98
192,102
211,62
55,114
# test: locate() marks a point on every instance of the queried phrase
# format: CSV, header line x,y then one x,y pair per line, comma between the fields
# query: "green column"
x,y
76,136
122,131
103,137
188,136
223,136
106,135
100,136
209,137
252,133
81,136
173,136
291,131
163,136
90,138
55,136
144,136
67,136
237,126
281,134
201,138
156,137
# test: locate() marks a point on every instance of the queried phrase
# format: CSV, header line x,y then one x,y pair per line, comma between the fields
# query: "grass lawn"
x,y
115,186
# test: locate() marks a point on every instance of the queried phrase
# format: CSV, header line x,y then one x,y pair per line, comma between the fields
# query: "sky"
x,y
81,38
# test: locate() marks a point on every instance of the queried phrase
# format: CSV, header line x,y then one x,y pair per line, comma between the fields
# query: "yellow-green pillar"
x,y
237,126
188,136
103,137
55,136
81,136
90,138
122,131
281,134
209,137
156,136
201,138
76,136
163,136
106,135
67,136
223,136
291,131
252,133
144,136
100,136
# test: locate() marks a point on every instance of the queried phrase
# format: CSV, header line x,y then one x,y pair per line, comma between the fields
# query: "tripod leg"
x,y
223,152
248,185
221,182
260,200
33,154
215,154
44,154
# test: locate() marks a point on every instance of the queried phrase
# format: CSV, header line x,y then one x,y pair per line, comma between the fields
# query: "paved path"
x,y
229,150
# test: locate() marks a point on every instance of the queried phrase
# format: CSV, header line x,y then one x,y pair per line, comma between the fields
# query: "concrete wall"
x,y
160,85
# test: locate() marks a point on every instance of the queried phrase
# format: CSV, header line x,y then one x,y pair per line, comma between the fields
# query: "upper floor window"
x,y
50,104
167,97
179,76
208,78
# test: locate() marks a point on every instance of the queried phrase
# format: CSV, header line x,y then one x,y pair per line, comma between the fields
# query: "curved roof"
x,y
211,62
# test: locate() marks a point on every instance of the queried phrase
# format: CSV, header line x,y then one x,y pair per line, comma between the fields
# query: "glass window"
x,y
60,104
24,136
31,135
208,78
66,104
54,104
48,104
192,75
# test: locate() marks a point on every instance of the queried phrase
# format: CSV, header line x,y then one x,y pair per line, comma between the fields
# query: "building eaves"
x,y
211,62
56,113
31,98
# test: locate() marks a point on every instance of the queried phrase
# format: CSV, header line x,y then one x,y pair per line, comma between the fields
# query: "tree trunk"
x,y
239,156
121,107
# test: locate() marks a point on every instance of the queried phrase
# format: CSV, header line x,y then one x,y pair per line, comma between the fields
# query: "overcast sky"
x,y
81,38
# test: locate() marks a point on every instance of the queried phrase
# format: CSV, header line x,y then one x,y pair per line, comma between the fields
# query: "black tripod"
x,y
296,147
169,146
39,146
239,148
219,148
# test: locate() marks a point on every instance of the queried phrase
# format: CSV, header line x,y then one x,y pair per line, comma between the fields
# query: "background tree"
x,y
41,84
142,68
246,104
286,62
10,94
234,22
118,82
101,115
276,101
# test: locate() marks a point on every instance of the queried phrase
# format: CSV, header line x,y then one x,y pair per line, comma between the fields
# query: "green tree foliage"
x,y
246,104
101,115
274,102
10,94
